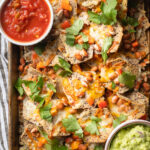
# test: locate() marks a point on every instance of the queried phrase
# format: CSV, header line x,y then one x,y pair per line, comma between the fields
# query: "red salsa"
x,y
25,20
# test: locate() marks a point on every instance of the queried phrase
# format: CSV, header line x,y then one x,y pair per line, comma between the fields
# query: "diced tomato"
x,y
90,101
34,55
119,71
102,104
65,24
135,44
144,117
66,5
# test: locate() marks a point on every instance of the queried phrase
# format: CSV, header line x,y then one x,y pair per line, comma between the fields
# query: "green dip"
x,y
132,138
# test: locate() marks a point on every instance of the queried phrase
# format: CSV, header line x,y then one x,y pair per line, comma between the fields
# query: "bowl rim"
x,y
43,36
121,126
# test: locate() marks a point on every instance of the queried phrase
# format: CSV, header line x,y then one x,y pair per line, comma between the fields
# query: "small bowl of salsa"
x,y
25,22
134,134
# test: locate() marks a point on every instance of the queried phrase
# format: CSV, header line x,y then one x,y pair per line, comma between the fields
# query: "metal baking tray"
x,y
13,59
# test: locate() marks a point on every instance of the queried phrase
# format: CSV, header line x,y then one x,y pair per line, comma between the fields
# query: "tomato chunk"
x,y
65,24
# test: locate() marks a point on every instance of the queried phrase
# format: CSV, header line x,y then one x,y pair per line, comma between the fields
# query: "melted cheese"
x,y
100,32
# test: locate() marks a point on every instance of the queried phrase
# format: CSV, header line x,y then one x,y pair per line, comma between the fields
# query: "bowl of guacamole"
x,y
130,135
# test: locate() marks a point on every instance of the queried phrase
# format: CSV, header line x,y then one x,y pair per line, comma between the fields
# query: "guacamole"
x,y
132,138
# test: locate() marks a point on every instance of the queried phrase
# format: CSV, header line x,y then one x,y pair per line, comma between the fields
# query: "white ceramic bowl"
x,y
121,126
2,4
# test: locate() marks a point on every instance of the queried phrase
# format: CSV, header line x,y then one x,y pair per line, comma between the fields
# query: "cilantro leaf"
x,y
96,119
39,48
86,45
130,21
70,39
56,67
82,46
40,100
52,144
45,135
98,147
51,86
79,46
84,37
120,119
109,13
127,79
94,17
131,31
91,127
71,124
45,112
106,45
76,27
64,64
113,86
65,73
19,87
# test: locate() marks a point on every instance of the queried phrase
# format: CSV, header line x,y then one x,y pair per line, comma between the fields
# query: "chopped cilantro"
x,y
71,124
51,86
94,17
40,100
98,147
91,126
39,48
70,39
130,21
56,67
65,73
53,144
79,46
86,45
82,46
131,31
106,45
64,64
120,119
127,79
76,27
113,86
45,112
84,37
19,87
109,13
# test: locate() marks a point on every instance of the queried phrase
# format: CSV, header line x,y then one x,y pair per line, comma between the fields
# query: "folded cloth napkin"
x,y
3,94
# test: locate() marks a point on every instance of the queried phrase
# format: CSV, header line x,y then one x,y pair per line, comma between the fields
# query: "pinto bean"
x,y
121,108
94,68
68,140
73,111
78,57
146,87
115,99
85,54
80,94
60,106
66,13
112,76
120,102
22,61
20,98
21,68
82,147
